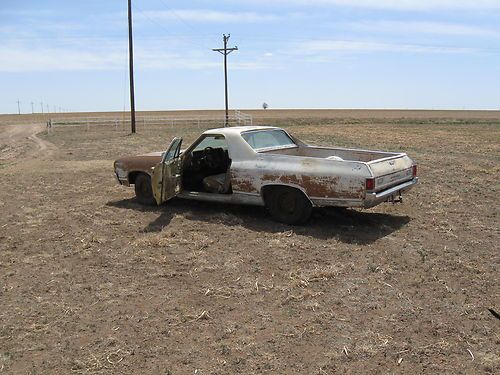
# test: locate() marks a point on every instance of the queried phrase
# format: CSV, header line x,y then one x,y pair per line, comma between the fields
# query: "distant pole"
x,y
41,106
32,107
18,106
48,109
131,67
225,51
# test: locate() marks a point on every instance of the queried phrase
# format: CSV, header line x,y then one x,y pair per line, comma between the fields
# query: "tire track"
x,y
20,142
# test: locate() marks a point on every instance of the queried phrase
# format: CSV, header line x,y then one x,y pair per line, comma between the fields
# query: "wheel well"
x,y
267,190
132,176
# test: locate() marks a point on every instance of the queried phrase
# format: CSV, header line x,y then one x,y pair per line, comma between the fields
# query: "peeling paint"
x,y
140,163
243,185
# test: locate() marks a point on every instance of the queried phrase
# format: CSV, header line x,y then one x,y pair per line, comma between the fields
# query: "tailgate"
x,y
391,171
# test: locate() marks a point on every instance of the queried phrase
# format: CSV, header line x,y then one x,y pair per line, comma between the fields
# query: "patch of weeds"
x,y
423,254
291,312
372,268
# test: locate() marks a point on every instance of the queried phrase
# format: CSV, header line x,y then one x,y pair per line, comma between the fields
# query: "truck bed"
x,y
388,169
325,153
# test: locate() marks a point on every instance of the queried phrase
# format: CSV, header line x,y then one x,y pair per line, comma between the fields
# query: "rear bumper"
x,y
373,199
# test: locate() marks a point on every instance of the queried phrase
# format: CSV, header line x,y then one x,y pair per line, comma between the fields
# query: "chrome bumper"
x,y
373,199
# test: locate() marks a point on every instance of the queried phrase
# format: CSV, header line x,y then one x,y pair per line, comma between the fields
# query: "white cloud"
x,y
418,5
25,59
318,46
14,58
419,27
200,15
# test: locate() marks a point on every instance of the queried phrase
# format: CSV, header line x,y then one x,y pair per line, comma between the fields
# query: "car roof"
x,y
238,129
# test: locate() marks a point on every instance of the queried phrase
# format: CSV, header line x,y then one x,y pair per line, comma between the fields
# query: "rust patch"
x,y
317,187
242,184
323,187
139,163
292,179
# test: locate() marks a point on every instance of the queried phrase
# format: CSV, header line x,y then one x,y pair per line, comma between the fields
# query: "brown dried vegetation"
x,y
92,282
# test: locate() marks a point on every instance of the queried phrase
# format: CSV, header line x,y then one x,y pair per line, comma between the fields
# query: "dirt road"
x,y
19,142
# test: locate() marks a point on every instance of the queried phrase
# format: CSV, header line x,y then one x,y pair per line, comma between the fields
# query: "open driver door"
x,y
166,181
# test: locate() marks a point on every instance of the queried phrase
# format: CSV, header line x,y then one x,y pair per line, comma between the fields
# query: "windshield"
x,y
274,138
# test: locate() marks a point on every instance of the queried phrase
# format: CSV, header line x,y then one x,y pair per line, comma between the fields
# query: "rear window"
x,y
275,138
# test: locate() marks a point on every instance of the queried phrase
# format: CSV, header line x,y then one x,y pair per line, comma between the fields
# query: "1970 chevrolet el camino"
x,y
266,166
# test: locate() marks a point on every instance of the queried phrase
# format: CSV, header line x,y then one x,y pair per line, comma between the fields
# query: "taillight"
x,y
414,170
370,184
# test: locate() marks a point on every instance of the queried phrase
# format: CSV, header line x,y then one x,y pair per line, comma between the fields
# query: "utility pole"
x,y
18,106
225,51
41,106
48,109
32,107
131,67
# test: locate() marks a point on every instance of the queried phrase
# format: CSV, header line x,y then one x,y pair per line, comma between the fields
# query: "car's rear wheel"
x,y
143,189
288,205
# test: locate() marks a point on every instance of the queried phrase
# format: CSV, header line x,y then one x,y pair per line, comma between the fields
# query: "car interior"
x,y
206,167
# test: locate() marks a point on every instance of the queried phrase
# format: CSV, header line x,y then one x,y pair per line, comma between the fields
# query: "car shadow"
x,y
346,225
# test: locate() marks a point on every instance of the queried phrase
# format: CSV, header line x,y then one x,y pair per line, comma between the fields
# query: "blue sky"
x,y
292,54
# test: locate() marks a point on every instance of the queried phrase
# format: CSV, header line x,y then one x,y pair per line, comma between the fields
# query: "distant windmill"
x,y
265,105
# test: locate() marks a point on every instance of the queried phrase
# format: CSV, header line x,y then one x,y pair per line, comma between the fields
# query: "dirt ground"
x,y
93,282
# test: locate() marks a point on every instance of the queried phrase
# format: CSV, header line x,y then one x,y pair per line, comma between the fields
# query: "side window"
x,y
174,150
213,141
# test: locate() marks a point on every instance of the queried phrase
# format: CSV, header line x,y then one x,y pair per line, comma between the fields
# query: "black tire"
x,y
288,205
143,190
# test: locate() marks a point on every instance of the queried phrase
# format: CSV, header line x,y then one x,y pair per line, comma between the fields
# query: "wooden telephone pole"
x,y
225,51
131,67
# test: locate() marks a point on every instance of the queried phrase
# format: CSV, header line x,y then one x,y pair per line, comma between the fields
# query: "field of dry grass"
x,y
92,282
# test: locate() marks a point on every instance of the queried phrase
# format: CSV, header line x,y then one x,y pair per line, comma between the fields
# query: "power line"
x,y
178,17
172,35
225,51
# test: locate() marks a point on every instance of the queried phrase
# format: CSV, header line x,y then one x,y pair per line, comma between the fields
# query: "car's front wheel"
x,y
288,205
143,189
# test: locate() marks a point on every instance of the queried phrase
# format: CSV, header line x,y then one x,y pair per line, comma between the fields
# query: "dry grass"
x,y
91,282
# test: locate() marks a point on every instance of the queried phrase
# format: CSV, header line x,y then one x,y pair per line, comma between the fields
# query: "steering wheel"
x,y
209,158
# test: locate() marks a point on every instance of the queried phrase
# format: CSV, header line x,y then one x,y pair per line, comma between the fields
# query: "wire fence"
x,y
145,123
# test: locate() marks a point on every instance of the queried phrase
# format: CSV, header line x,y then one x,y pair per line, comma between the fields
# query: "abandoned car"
x,y
266,166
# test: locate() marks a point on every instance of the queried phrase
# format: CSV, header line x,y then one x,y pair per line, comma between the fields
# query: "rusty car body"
x,y
266,166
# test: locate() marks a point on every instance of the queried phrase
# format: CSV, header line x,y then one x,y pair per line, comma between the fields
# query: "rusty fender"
x,y
144,163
